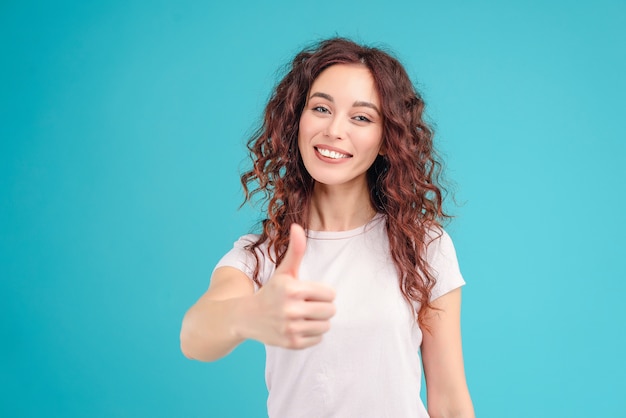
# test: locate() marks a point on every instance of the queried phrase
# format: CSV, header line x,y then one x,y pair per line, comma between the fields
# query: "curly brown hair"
x,y
404,183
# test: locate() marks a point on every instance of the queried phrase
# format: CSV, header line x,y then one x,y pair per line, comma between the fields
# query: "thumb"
x,y
295,251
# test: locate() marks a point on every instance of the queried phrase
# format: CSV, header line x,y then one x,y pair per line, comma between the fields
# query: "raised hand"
x,y
292,313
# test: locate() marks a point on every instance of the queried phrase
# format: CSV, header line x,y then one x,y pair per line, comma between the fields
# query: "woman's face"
x,y
341,126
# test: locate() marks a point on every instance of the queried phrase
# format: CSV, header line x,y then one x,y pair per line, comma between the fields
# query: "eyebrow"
x,y
358,103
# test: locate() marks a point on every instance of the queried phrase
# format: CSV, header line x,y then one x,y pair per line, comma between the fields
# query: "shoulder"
x,y
442,262
438,242
242,257
244,241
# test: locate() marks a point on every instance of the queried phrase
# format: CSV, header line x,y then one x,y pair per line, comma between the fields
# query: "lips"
x,y
332,153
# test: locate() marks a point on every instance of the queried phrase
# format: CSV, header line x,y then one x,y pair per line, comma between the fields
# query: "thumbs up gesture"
x,y
292,313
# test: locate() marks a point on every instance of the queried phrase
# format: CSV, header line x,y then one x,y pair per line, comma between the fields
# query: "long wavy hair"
x,y
404,184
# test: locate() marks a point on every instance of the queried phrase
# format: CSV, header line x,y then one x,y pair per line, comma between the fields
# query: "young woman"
x,y
352,273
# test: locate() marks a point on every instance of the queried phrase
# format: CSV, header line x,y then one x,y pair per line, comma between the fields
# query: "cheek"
x,y
305,126
373,141
300,145
301,132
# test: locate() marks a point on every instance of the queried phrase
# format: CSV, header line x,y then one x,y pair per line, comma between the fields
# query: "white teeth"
x,y
331,154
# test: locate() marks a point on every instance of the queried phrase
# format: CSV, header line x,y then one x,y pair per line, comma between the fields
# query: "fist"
x,y
292,313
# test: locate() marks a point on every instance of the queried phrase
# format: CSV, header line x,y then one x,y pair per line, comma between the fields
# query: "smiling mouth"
x,y
332,154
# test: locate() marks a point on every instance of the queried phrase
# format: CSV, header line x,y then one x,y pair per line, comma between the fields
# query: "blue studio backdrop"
x,y
122,131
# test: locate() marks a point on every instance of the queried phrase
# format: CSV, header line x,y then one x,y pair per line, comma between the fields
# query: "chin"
x,y
334,180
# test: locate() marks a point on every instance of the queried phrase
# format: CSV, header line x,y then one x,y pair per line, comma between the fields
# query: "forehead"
x,y
347,80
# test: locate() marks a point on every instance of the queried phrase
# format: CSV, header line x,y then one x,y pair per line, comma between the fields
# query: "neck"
x,y
339,209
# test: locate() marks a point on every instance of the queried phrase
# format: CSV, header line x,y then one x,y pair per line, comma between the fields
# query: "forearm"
x,y
209,329
466,414
442,356
285,312
452,415
458,405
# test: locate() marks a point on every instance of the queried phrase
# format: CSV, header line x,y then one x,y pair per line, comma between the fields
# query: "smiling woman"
x,y
340,131
352,273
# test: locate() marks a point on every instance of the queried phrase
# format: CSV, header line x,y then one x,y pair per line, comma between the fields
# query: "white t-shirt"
x,y
367,365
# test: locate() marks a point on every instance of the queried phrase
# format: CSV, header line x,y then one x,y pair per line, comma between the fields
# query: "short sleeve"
x,y
441,257
242,259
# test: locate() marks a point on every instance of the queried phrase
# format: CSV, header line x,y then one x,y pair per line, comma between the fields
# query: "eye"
x,y
362,118
320,109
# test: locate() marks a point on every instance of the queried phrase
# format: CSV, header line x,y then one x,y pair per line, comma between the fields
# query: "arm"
x,y
286,312
442,356
208,329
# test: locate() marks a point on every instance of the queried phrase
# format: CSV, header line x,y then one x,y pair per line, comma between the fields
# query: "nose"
x,y
335,129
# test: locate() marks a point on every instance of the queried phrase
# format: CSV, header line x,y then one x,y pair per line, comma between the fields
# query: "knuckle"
x,y
315,340
290,330
290,313
293,342
325,326
294,290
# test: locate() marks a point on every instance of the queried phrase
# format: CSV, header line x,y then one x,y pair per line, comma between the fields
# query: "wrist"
x,y
242,315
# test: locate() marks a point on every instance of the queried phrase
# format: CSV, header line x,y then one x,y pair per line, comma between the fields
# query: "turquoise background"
x,y
122,131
